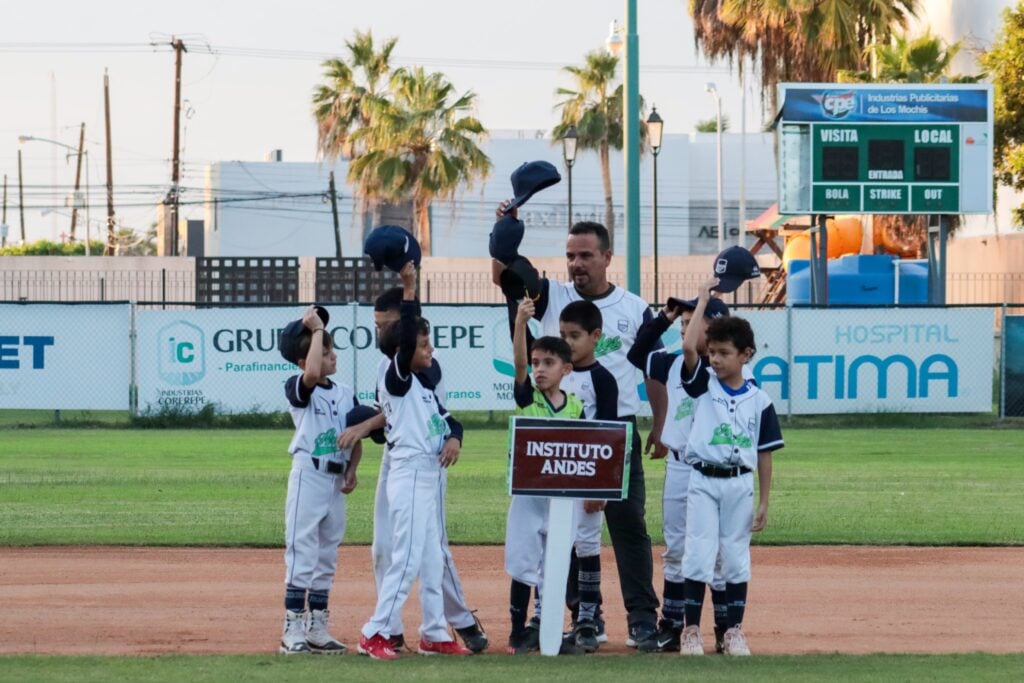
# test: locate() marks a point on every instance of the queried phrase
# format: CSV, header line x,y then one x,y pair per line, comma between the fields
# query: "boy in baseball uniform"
x,y
526,529
387,311
666,368
735,430
322,474
579,325
422,440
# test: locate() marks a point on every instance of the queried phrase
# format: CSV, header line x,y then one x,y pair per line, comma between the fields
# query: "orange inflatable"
x,y
844,237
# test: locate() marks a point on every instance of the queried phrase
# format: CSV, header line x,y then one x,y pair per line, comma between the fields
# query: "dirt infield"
x,y
802,599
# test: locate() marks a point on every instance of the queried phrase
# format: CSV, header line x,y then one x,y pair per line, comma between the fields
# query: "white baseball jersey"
x,y
730,426
319,417
622,313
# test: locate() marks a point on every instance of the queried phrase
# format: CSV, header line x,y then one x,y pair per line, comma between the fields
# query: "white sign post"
x,y
561,524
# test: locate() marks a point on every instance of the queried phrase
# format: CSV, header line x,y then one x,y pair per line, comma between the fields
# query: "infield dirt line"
x,y
803,599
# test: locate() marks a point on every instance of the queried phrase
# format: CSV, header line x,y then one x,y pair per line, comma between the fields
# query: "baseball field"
x,y
890,554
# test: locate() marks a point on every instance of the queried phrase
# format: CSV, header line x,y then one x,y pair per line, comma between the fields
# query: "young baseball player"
x,y
322,474
666,368
421,441
386,310
580,326
735,430
526,528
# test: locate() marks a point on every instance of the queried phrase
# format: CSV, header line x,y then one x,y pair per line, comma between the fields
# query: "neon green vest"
x,y
541,408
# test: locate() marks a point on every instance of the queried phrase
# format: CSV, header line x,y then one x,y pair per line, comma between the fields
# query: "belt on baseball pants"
x,y
329,466
720,472
676,455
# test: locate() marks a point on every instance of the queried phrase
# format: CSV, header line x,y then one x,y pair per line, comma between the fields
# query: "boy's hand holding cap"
x,y
296,329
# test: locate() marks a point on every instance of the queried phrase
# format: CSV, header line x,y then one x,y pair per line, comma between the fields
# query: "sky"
x,y
241,103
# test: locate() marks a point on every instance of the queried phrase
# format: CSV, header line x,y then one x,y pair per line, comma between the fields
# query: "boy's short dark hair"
x,y
553,345
592,228
391,335
307,339
391,300
586,314
732,329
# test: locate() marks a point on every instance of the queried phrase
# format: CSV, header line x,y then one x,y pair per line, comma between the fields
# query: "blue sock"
x,y
673,609
736,597
295,599
317,599
590,587
693,597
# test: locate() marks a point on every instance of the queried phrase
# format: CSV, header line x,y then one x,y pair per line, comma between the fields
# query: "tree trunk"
x,y
606,183
421,209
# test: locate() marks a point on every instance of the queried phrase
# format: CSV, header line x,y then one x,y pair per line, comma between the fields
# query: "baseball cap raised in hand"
x,y
733,266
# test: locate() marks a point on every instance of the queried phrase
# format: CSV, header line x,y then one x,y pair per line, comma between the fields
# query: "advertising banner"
x,y
65,357
840,361
1013,402
569,458
874,104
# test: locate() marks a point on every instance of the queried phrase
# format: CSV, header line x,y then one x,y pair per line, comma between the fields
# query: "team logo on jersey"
x,y
685,409
181,353
723,434
623,325
326,442
436,426
607,345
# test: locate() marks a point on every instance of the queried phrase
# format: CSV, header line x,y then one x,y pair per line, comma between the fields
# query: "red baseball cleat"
x,y
377,647
445,647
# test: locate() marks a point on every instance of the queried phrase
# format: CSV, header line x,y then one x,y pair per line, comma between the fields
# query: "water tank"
x,y
861,281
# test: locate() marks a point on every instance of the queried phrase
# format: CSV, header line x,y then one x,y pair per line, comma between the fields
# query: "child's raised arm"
x,y
520,353
695,330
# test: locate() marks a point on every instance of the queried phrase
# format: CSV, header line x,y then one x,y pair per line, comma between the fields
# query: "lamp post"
x,y
80,152
711,88
630,139
654,129
569,155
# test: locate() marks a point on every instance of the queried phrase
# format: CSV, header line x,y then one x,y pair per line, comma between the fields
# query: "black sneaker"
x,y
473,636
641,636
719,639
586,635
397,642
527,640
602,637
665,640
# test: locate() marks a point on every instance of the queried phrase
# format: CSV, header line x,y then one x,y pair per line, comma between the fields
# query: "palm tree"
x,y
925,59
422,143
594,106
796,40
344,103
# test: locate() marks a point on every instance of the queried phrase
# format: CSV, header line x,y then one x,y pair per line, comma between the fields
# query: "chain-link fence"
x,y
166,355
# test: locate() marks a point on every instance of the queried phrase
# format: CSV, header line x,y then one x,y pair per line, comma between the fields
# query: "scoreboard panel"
x,y
885,149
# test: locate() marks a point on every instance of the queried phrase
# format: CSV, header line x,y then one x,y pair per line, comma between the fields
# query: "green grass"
x,y
934,669
227,487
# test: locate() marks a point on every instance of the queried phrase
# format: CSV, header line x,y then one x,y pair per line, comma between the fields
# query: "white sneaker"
x,y
691,642
318,638
735,643
293,639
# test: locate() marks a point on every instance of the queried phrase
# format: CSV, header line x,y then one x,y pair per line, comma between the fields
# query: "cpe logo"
x,y
181,354
836,105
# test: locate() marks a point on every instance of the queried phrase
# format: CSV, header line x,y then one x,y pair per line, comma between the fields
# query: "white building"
x,y
242,221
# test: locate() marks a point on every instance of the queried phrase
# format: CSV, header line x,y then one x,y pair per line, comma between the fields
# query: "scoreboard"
x,y
871,148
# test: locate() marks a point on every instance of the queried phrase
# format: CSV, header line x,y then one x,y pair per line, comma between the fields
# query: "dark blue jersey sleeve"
x,y
697,383
297,392
770,436
523,393
398,378
606,393
659,363
648,339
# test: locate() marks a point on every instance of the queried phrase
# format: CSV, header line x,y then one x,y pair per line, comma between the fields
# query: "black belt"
x,y
720,472
676,454
330,466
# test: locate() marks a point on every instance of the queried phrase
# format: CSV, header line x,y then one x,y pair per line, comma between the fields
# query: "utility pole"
x,y
21,199
179,47
109,249
334,210
78,181
3,221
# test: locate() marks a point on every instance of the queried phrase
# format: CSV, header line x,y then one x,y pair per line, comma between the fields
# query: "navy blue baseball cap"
x,y
520,279
531,178
506,236
733,266
363,413
716,308
292,334
392,246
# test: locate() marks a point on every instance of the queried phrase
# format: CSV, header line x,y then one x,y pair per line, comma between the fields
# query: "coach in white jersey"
x,y
588,256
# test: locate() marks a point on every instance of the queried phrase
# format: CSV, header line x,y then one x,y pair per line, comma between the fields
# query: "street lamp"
x,y
76,201
711,88
654,130
614,41
569,155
